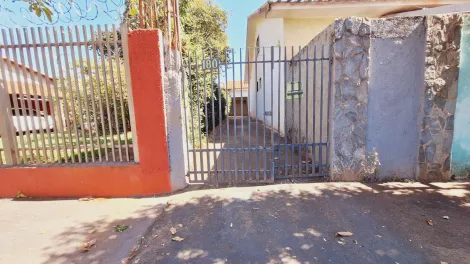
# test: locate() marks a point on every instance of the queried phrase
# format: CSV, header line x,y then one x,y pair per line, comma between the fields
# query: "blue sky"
x,y
238,12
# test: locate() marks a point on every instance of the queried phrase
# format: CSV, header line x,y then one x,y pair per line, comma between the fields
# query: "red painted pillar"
x,y
146,68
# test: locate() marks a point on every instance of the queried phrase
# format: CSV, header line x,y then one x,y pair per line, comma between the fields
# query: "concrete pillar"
x,y
147,71
439,96
174,120
349,100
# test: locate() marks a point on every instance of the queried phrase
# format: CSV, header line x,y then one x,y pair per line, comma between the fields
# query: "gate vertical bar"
x,y
279,111
213,113
293,116
206,125
285,112
241,116
229,154
191,109
249,115
321,109
314,108
330,62
256,111
307,163
185,114
201,154
221,153
264,115
234,117
299,140
272,113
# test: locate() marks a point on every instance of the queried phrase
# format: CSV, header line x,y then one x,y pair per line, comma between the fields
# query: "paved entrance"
x,y
296,224
250,164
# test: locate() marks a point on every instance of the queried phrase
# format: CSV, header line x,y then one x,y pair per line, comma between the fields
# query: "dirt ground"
x,y
296,223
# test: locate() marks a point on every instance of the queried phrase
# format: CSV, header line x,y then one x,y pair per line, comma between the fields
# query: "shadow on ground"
x,y
296,223
283,223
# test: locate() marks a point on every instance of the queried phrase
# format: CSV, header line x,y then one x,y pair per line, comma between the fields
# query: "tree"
x,y
203,26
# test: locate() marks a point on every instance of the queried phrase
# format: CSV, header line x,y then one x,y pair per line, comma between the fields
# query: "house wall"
x,y
260,102
310,122
460,165
301,31
395,88
32,81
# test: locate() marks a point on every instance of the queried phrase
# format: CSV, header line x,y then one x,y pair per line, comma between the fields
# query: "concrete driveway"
x,y
296,223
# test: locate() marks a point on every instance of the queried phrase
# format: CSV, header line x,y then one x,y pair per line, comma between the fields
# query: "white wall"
x,y
300,31
271,34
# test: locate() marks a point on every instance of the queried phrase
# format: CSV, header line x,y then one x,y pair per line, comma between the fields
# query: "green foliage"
x,y
40,7
203,26
97,97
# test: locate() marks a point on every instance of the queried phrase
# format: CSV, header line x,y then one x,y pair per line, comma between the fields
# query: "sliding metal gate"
x,y
257,114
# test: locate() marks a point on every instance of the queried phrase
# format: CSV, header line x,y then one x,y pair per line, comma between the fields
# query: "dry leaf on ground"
x,y
177,238
173,230
445,217
20,195
344,234
87,245
429,221
341,242
180,225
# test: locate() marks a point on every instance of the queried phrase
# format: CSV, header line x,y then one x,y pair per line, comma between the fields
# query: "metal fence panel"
x,y
282,132
66,96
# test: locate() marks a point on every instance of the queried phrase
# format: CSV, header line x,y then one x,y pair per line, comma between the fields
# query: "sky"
x,y
16,14
238,12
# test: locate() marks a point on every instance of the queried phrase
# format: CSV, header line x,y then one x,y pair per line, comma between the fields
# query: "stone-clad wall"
x,y
350,97
439,101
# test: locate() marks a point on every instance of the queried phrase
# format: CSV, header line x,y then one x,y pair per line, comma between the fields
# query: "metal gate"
x,y
257,114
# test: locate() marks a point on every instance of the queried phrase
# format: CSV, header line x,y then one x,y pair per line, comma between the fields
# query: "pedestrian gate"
x,y
258,114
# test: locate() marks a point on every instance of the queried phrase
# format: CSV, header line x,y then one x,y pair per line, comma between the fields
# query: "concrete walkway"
x,y
296,223
284,223
51,231
250,149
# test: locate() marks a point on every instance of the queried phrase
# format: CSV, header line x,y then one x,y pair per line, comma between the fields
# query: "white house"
x,y
29,88
293,23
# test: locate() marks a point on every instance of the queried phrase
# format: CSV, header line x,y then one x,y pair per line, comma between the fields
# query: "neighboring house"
x,y
28,88
295,23
238,91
